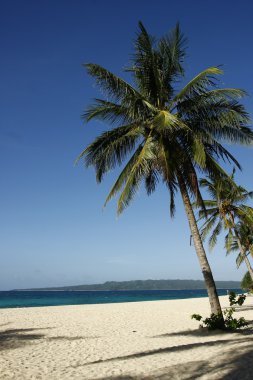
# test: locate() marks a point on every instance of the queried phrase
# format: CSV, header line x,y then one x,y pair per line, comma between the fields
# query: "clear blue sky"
x,y
52,227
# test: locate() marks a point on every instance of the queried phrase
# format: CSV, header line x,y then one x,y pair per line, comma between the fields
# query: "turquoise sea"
x,y
56,298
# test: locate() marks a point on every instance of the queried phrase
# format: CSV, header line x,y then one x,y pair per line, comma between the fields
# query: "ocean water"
x,y
55,298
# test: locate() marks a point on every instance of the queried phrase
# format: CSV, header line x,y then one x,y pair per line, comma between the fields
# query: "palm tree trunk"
x,y
205,267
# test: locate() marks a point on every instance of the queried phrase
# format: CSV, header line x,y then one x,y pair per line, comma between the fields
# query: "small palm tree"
x,y
221,212
244,235
161,134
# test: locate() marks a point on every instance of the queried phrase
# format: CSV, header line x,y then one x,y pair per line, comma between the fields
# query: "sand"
x,y
142,340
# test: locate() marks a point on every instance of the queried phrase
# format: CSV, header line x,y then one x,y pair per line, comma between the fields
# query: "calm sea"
x,y
55,298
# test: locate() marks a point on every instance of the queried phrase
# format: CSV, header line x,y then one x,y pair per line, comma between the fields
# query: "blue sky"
x,y
53,230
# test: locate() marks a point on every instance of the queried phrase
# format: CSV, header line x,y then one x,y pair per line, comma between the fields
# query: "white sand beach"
x,y
143,340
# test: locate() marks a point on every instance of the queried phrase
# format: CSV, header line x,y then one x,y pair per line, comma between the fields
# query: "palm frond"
x,y
151,180
166,123
199,84
213,238
107,111
231,243
239,260
199,152
146,69
231,93
172,53
172,190
110,149
206,228
169,174
210,203
113,86
140,169
211,211
123,177
221,152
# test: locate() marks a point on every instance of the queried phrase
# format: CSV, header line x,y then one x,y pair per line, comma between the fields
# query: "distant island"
x,y
146,285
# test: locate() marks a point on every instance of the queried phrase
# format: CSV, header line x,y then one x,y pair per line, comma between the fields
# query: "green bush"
x,y
215,321
236,301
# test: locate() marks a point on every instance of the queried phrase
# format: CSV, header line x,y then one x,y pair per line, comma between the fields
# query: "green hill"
x,y
147,285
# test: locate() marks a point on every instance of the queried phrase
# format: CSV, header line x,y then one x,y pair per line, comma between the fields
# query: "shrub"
x,y
236,301
215,321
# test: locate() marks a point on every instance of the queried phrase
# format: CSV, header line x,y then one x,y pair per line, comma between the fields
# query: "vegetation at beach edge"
x,y
247,283
225,320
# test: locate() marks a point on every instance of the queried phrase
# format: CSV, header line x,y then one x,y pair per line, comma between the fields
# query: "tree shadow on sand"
x,y
15,338
202,332
244,308
171,349
5,324
232,365
71,338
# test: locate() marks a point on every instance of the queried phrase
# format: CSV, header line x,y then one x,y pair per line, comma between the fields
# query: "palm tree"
x,y
221,212
162,135
244,235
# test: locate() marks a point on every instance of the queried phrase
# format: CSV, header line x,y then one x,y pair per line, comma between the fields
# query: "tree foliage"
x,y
244,234
158,131
225,207
247,282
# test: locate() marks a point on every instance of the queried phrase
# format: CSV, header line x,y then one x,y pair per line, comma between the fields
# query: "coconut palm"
x,y
221,213
244,235
161,134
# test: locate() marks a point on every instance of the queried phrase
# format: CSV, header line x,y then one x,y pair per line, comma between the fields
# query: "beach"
x,y
138,340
